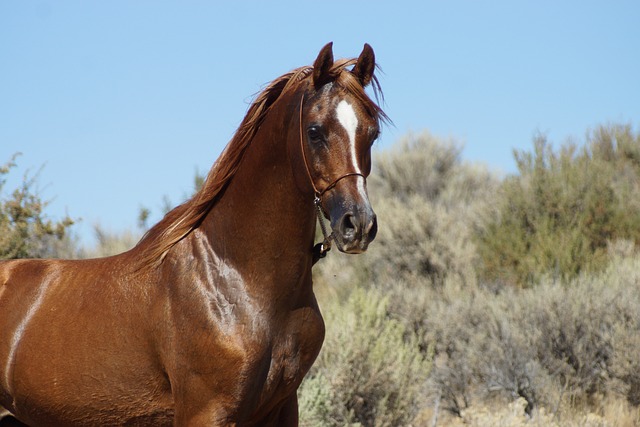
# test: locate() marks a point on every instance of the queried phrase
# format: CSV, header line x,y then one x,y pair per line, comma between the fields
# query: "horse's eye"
x,y
375,134
315,134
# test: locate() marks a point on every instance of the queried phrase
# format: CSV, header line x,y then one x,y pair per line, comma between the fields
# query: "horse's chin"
x,y
352,247
355,251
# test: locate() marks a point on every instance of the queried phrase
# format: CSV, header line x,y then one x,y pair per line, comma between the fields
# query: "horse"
x,y
211,319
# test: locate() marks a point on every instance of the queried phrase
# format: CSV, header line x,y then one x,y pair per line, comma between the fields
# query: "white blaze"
x,y
347,118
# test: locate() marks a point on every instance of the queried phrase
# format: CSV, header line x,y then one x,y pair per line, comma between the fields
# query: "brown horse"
x,y
211,318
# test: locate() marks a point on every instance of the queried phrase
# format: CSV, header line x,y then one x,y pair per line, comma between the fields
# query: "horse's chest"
x,y
294,350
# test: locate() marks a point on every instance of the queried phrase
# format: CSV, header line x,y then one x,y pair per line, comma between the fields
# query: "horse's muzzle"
x,y
354,228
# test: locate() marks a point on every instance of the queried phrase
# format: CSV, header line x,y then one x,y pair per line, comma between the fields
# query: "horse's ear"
x,y
322,65
365,66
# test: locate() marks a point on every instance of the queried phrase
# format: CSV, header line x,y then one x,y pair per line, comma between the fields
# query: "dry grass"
x,y
609,413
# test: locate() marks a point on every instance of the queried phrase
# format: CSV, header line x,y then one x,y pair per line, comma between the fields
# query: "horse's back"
x,y
73,334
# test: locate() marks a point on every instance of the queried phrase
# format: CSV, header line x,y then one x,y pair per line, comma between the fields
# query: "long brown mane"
x,y
179,222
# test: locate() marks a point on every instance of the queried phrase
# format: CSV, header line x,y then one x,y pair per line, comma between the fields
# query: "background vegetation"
x,y
484,300
25,230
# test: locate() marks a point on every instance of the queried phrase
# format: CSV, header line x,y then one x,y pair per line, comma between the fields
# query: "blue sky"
x,y
123,101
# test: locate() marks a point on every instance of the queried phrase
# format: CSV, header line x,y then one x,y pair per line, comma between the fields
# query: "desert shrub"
x,y
563,207
417,165
554,345
481,350
25,229
625,363
370,371
587,331
427,200
575,327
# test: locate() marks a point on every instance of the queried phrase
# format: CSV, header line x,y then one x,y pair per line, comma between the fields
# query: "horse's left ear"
x,y
365,65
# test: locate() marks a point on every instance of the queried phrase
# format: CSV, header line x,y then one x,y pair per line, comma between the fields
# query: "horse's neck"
x,y
263,224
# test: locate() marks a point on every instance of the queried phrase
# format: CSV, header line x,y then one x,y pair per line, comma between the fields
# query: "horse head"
x,y
338,125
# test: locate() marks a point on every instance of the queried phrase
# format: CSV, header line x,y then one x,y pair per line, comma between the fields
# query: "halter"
x,y
320,250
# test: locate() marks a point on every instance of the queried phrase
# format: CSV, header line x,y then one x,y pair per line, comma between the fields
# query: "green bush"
x,y
559,213
25,230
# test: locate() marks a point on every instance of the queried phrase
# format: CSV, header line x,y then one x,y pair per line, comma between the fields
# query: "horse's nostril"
x,y
373,229
348,225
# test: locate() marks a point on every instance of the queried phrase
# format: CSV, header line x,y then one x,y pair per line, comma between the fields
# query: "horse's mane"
x,y
183,219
